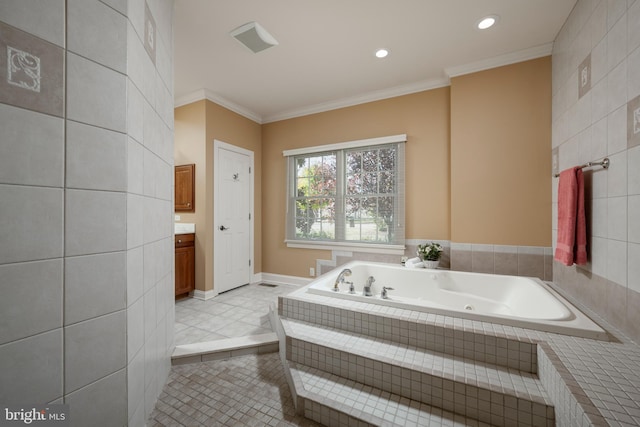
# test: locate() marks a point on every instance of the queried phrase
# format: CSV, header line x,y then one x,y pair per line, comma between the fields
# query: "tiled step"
x,y
332,401
493,394
225,348
422,330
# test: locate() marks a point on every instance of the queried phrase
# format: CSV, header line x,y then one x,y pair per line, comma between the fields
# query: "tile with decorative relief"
x,y
633,122
584,76
31,72
149,33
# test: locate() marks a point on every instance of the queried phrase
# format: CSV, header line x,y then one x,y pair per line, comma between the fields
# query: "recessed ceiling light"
x,y
487,22
381,53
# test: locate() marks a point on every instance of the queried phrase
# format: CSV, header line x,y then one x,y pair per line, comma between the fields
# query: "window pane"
x,y
385,219
354,184
365,198
387,159
370,183
353,162
387,183
315,218
370,160
316,175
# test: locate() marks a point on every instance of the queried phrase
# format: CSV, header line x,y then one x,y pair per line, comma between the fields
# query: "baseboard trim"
x,y
204,295
281,279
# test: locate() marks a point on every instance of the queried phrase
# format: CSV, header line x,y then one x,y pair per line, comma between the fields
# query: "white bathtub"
x,y
508,300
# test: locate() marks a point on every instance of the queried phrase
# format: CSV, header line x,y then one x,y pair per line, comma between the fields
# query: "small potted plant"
x,y
430,254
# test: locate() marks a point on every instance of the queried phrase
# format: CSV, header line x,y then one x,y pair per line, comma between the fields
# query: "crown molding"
x,y
359,99
473,67
499,61
207,94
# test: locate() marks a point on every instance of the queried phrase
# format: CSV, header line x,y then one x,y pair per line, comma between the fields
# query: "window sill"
x,y
344,246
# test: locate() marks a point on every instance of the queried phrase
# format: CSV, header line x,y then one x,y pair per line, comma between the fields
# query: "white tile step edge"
x,y
335,398
225,348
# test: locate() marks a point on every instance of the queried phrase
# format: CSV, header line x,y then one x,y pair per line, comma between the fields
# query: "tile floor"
x,y
242,391
236,313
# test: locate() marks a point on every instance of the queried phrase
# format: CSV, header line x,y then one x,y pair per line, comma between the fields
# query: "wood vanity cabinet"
x,y
185,187
185,254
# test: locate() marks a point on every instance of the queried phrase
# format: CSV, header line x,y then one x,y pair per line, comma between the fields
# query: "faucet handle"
x,y
384,292
352,289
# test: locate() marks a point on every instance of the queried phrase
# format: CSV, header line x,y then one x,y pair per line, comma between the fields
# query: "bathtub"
x,y
507,300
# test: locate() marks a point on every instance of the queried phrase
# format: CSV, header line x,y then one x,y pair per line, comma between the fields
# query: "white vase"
x,y
431,264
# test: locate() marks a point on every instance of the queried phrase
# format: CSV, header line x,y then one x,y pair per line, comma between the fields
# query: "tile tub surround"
x,y
529,261
589,382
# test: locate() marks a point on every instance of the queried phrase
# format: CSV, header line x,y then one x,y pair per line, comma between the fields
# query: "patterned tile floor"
x,y
236,313
241,391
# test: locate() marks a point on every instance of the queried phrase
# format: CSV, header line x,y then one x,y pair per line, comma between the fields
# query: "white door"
x,y
233,223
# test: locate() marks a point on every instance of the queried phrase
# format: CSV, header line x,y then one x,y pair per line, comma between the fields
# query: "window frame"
x,y
396,248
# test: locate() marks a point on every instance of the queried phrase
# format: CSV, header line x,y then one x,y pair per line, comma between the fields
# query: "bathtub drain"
x,y
468,307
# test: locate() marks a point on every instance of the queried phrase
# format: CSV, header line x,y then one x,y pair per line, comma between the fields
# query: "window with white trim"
x,y
349,193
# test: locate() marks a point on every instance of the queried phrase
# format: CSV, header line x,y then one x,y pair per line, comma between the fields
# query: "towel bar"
x,y
604,163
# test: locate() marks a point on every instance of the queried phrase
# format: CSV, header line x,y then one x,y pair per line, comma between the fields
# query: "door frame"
x,y
217,146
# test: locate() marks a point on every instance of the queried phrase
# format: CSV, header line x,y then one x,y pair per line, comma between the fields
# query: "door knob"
x,y
222,228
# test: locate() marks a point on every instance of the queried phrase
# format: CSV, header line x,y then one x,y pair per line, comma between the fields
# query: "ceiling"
x,y
325,56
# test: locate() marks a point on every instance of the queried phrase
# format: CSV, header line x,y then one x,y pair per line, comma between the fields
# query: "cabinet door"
x,y
185,270
185,187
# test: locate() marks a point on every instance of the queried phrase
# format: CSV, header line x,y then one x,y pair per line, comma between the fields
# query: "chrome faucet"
x,y
367,288
383,294
340,279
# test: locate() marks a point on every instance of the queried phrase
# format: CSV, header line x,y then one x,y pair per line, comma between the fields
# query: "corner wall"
x,y
190,147
593,118
500,170
86,265
197,125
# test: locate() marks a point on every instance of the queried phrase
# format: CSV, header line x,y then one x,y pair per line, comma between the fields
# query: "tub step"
x,y
332,400
472,340
489,393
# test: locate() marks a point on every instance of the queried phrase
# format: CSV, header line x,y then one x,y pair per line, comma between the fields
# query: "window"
x,y
347,194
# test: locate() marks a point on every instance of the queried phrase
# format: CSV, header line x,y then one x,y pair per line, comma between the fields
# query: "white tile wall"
x,y
97,32
613,29
35,303
95,222
95,94
93,213
94,285
112,407
32,369
94,348
33,234
96,158
135,275
45,20
32,147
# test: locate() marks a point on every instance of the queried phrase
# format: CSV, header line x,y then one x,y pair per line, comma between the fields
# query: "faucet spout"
x,y
367,287
340,279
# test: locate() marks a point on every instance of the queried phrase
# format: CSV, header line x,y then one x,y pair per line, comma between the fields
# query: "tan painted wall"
x,y
478,169
189,147
500,168
423,116
197,125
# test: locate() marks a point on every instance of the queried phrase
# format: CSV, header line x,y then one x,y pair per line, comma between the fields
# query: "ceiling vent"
x,y
253,36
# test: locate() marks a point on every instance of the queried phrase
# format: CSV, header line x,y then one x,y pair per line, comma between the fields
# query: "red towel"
x,y
571,246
